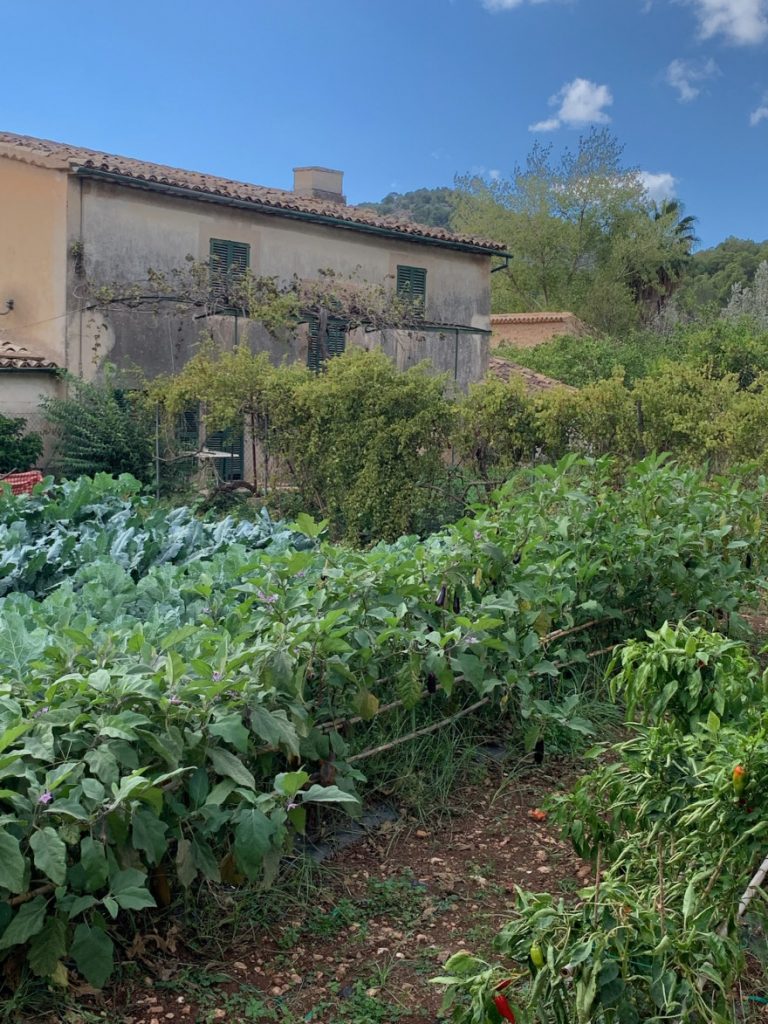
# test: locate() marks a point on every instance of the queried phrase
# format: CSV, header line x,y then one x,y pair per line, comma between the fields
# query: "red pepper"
x,y
501,1004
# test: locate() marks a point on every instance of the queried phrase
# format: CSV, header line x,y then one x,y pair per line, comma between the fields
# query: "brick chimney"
x,y
319,183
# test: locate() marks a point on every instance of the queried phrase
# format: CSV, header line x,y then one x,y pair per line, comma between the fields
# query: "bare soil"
x,y
385,916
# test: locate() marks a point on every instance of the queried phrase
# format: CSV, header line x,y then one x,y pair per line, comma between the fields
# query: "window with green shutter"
x,y
228,263
335,340
412,286
229,442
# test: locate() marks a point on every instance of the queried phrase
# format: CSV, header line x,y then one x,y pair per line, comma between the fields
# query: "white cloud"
x,y
507,5
741,21
579,103
494,174
659,186
759,114
686,76
550,125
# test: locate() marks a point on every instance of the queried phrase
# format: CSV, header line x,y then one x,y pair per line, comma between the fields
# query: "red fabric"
x,y
22,483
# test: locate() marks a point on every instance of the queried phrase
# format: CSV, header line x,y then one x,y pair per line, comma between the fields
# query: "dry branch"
x,y
419,732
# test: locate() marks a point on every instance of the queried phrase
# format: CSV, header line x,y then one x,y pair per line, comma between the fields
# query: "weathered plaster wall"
x,y
461,355
33,243
20,394
125,231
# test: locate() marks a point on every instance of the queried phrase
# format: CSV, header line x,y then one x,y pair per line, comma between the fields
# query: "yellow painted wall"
x,y
33,246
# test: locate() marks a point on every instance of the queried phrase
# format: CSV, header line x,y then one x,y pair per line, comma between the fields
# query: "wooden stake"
x,y
419,732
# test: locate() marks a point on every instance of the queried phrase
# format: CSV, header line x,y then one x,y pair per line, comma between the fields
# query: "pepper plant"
x,y
675,822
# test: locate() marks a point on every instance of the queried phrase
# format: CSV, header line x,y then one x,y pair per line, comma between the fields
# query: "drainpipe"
x,y
456,357
80,316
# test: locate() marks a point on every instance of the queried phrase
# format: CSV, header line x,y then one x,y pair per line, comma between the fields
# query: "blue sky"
x,y
404,93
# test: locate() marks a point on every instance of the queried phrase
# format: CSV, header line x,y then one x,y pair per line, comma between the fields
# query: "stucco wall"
x,y
461,355
125,231
20,394
33,241
527,335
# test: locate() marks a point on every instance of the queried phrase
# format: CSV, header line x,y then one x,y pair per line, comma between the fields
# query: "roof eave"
x,y
30,369
303,215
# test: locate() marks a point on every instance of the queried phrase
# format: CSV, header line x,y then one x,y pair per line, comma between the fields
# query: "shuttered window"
x,y
188,440
188,429
335,341
231,443
228,263
412,286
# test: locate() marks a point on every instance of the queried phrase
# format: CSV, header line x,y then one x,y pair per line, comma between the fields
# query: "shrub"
x,y
600,419
101,428
495,428
363,441
17,449
682,408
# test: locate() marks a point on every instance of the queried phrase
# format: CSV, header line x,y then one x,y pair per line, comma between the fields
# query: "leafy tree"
x,y
17,449
101,428
712,273
719,346
750,300
582,233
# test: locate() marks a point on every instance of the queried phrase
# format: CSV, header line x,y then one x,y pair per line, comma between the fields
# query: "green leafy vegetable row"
x,y
44,539
163,728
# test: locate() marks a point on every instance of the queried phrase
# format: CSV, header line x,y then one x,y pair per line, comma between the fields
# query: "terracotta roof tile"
x,y
66,157
531,318
16,357
506,370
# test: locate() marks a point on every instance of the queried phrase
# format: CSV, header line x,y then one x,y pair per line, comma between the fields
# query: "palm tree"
x,y
676,239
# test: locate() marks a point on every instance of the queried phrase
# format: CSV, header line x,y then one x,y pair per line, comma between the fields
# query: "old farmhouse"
x,y
71,217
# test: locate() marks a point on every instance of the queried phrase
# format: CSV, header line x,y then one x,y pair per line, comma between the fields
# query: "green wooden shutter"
x,y
232,443
412,286
335,341
337,337
228,262
313,347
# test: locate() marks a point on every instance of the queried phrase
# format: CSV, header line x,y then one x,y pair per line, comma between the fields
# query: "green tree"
x,y
583,234
101,427
17,449
364,442
657,253
713,272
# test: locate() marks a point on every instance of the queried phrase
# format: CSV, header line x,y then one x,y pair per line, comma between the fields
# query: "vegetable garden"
x,y
179,697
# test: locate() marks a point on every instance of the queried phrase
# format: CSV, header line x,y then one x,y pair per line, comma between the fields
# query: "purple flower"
x,y
216,677
267,598
292,806
41,711
478,535
470,638
45,798
175,700
301,573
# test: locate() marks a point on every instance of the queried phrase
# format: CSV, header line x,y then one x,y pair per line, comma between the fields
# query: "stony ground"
x,y
361,947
